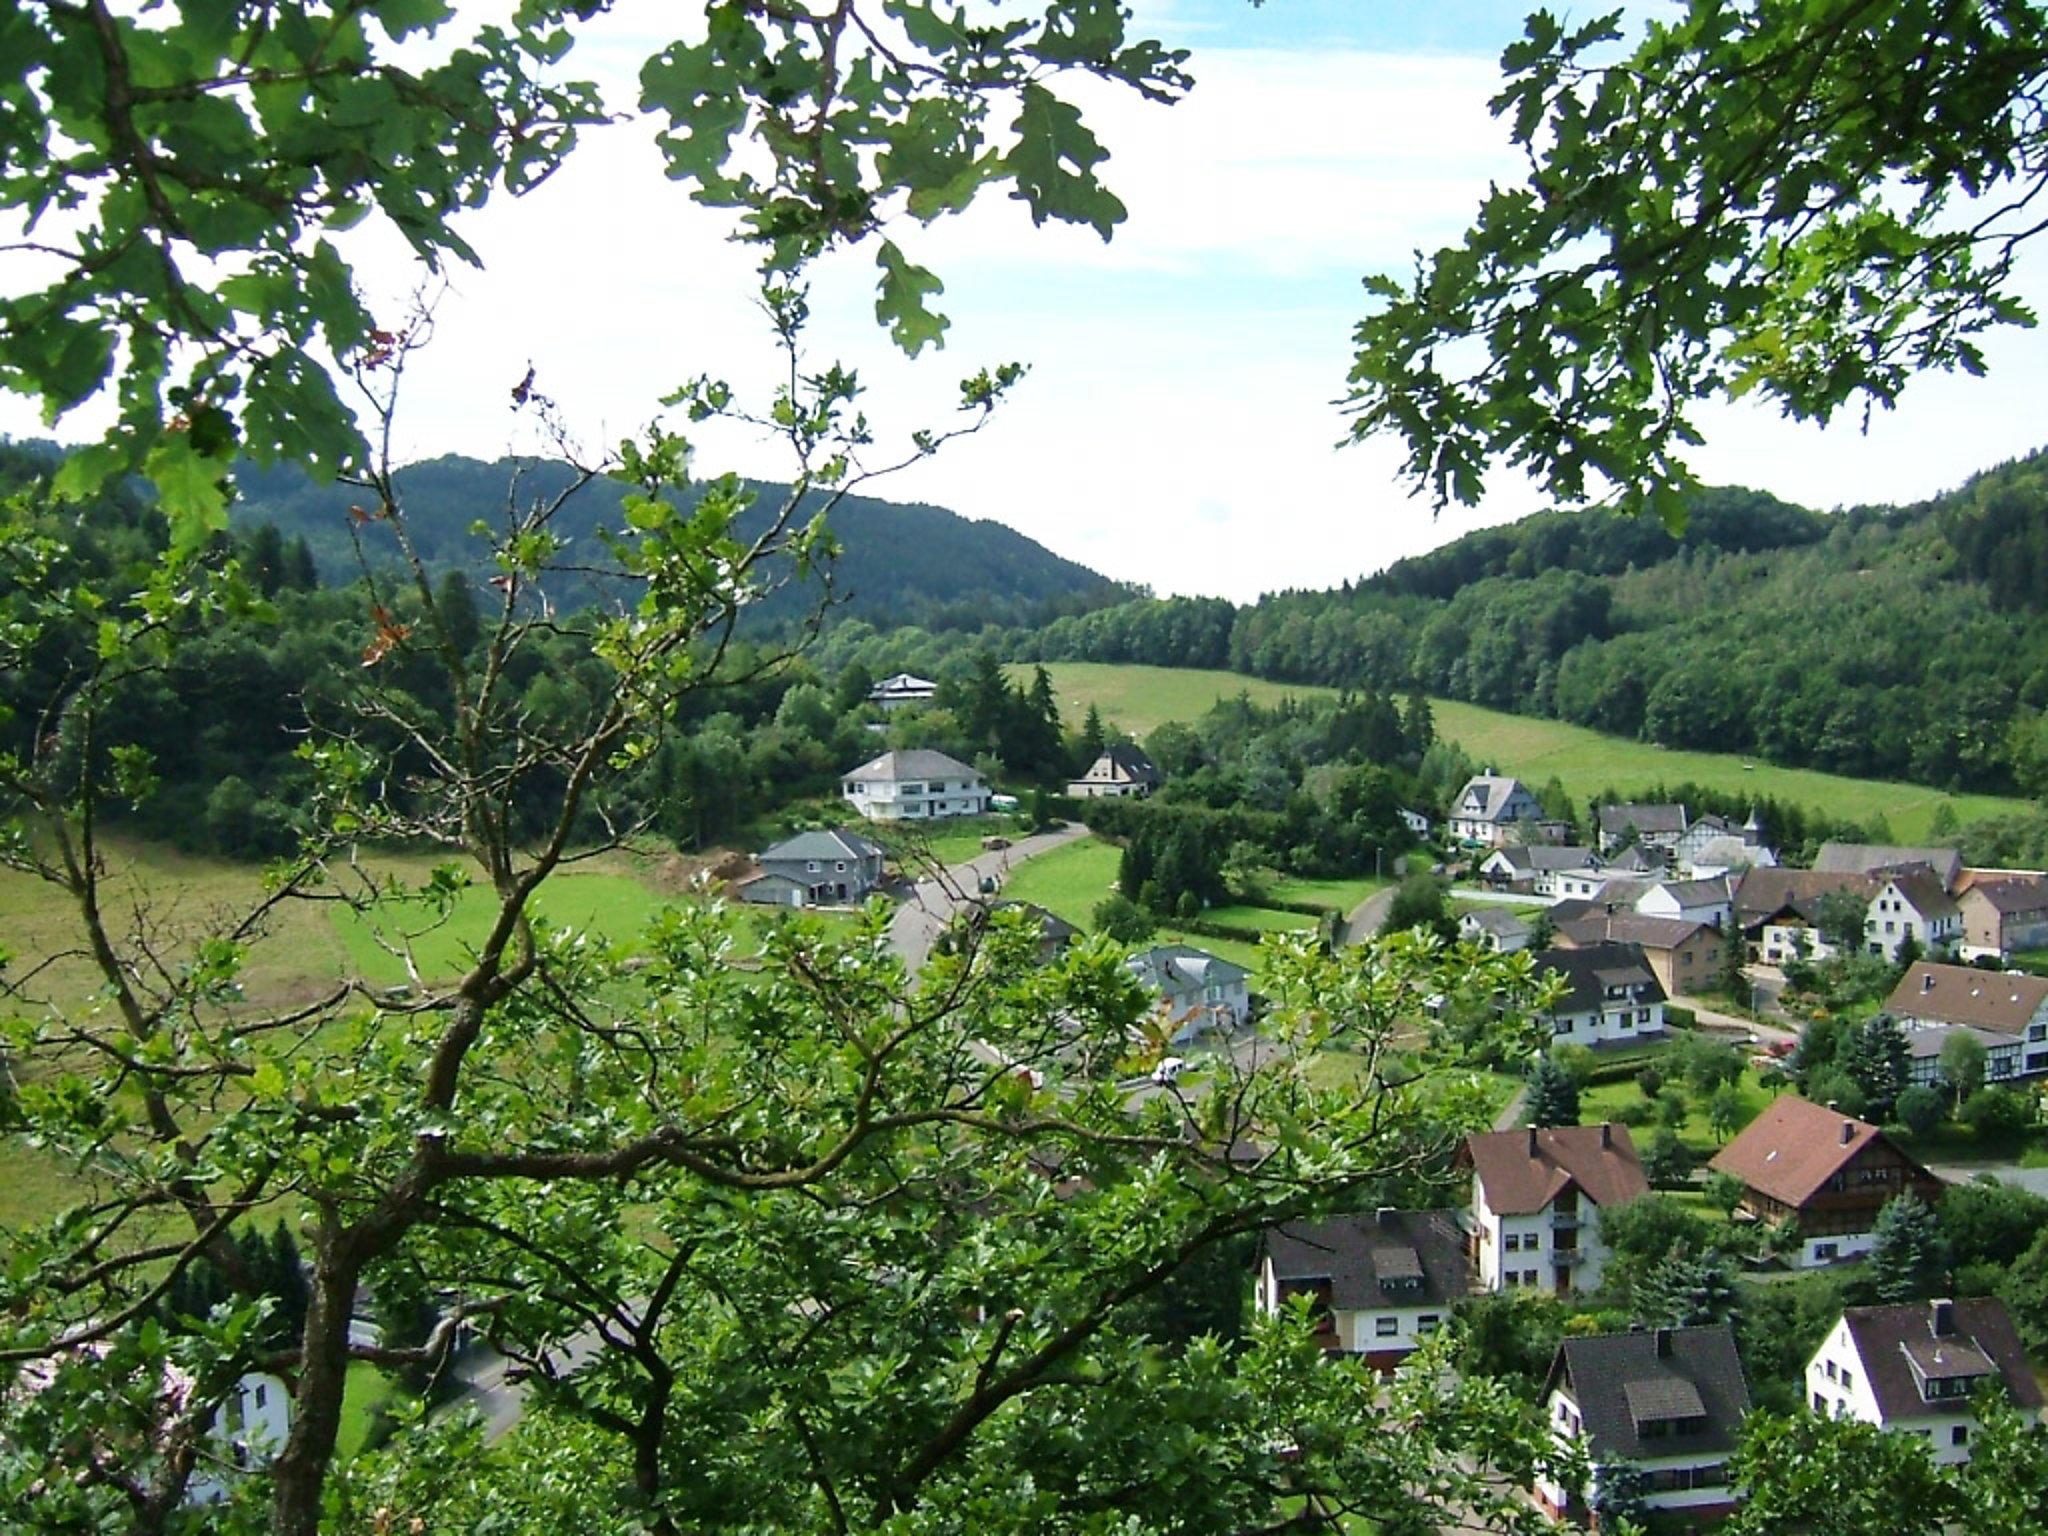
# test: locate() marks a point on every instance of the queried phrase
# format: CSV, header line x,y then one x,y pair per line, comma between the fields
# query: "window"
x,y
263,1395
1820,1403
1429,1322
1833,1374
1512,1242
1386,1327
1822,1252
1848,1381
1642,1016
1960,1435
1528,1277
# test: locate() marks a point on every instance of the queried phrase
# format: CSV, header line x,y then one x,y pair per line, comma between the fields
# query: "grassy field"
x,y
1139,699
1601,1101
1339,896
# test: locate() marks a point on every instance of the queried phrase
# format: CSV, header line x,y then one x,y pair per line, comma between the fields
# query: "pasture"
x,y
1140,699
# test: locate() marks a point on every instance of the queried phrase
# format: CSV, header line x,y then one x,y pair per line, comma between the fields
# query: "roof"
x,y
1498,921
1600,926
1361,1255
917,763
1763,893
1053,928
1732,851
1961,994
1122,760
1631,860
1927,1044
1794,1147
1650,820
1521,1172
1590,969
1920,886
2009,896
1623,1381
1898,1346
1492,790
1867,858
1693,893
1173,968
833,843
902,682
1545,856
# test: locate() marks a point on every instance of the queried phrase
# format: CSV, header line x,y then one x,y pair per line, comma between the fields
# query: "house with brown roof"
x,y
1666,1403
1378,1284
1829,1172
1911,903
1917,1369
1537,1196
1683,956
2006,1010
2001,916
1778,910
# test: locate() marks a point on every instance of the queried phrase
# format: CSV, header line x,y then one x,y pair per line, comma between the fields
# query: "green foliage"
x,y
1962,1063
1998,1114
1117,917
1686,1289
1909,1256
1922,1109
1711,235
1805,1472
1553,1095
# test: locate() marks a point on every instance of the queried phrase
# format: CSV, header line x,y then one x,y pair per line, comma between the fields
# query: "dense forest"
x,y
1884,642
899,563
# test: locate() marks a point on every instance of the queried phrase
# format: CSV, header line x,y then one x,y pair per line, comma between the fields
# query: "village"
x,y
1632,927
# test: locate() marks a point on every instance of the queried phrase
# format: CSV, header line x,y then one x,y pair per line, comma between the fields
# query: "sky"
x,y
1177,426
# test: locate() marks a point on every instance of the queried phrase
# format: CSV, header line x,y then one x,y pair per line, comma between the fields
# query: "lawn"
x,y
1339,896
1265,919
1068,880
365,1389
949,842
1603,1101
1139,699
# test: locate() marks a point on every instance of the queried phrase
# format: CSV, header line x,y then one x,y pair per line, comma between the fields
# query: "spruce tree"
x,y
1553,1095
1909,1258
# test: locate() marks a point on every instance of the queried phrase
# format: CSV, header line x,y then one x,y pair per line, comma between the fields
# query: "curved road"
x,y
936,899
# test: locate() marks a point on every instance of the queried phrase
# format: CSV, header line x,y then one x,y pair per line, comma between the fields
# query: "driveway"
x,y
935,900
1364,920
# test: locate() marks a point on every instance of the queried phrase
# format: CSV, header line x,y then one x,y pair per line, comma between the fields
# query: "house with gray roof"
x,y
1495,928
1122,771
1612,994
1912,902
1493,809
1200,993
1684,956
915,785
1378,1284
2004,914
903,688
1534,868
834,868
1873,858
1644,826
1667,1403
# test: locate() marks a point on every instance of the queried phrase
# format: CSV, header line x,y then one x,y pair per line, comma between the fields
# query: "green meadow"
x,y
1140,699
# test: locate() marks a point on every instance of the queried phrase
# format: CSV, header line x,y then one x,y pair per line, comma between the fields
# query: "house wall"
x,y
1709,1468
1893,918
1611,1023
249,1429
1794,941
1659,902
1838,1386
916,799
1535,1247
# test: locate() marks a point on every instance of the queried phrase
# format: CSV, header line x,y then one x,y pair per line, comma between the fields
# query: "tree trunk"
x,y
300,1473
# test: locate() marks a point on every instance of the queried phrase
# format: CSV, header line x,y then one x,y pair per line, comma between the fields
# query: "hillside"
x,y
1897,643
900,563
1139,699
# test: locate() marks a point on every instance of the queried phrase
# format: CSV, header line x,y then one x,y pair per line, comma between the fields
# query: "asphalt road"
x,y
936,899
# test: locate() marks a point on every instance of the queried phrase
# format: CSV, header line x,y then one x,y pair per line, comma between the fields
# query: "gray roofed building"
x,y
1489,805
1496,928
1655,826
1201,993
1121,770
830,868
914,785
1871,858
1380,1282
1668,1402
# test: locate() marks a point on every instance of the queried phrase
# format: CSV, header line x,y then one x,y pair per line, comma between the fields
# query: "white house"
x,y
1912,903
917,785
1122,771
1915,1369
903,688
1415,822
1378,1284
1494,928
1537,1195
1535,867
1490,806
1692,901
250,1428
1611,994
1201,993
1667,1403
1645,826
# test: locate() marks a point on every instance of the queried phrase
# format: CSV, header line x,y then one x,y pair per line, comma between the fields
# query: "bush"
x,y
1637,1112
1120,918
1997,1114
1921,1110
1651,1081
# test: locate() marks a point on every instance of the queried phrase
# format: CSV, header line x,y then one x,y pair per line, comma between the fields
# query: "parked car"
x,y
1168,1071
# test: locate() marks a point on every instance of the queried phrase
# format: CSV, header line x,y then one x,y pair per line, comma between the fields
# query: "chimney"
x,y
1927,982
1663,1343
1384,1216
1848,1132
1606,1136
1532,1141
1941,1317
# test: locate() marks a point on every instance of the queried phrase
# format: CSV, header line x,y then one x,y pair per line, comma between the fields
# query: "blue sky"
x,y
1177,426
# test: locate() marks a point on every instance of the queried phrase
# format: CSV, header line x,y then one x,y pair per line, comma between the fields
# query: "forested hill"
x,y
1894,642
901,563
